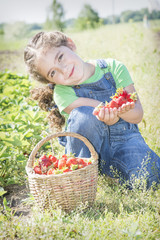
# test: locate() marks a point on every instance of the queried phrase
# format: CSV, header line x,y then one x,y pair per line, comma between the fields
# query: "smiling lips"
x,y
71,72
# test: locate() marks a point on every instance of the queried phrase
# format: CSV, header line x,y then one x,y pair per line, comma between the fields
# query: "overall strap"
x,y
102,64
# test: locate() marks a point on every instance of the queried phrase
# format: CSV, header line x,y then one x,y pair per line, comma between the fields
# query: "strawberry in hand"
x,y
121,97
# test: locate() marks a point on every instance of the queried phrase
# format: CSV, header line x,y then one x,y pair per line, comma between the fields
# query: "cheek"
x,y
79,68
59,79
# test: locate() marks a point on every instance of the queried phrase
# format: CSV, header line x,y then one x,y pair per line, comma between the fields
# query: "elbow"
x,y
140,117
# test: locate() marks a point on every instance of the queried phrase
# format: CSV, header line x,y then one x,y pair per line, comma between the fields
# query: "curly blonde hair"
x,y
44,95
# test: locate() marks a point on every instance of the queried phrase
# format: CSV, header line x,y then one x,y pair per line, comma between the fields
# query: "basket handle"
x,y
31,159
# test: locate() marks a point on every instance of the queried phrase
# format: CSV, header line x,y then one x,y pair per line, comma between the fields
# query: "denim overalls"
x,y
120,147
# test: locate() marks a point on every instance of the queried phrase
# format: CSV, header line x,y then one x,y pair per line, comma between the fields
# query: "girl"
x,y
78,88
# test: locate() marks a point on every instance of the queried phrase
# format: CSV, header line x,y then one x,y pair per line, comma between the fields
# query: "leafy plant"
x,y
22,126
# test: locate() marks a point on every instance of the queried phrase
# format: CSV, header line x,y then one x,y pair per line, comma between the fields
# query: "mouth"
x,y
71,73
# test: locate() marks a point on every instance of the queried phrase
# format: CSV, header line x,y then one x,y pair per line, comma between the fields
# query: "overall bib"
x,y
120,147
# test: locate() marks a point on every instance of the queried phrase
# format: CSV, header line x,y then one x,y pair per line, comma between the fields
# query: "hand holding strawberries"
x,y
126,107
108,116
121,103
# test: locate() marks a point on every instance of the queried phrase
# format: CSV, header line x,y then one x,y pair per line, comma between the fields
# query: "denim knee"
x,y
83,122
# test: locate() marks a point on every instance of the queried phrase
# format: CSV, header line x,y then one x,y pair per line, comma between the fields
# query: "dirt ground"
x,y
17,198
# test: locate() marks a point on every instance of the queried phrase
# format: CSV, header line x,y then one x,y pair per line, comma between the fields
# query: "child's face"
x,y
61,65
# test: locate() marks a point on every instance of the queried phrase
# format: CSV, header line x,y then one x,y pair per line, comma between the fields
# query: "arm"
x,y
109,117
81,102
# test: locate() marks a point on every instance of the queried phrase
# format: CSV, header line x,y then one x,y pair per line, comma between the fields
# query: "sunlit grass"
x,y
118,213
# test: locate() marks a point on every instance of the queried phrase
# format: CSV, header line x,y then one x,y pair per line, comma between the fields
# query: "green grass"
x,y
11,45
118,213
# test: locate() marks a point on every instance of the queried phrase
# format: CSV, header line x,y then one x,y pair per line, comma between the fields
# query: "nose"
x,y
64,69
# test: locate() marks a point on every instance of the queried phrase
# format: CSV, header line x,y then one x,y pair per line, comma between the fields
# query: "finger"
x,y
132,104
111,116
121,109
107,115
127,106
101,114
115,111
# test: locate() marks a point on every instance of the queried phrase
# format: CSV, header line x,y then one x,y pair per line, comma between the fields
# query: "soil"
x,y
17,197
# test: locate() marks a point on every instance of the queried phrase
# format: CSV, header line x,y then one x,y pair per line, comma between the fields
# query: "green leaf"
x,y
3,150
2,191
5,205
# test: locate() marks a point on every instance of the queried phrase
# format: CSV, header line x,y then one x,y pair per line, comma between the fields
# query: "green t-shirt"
x,y
65,95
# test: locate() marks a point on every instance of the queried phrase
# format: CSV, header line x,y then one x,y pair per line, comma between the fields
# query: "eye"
x,y
60,57
52,73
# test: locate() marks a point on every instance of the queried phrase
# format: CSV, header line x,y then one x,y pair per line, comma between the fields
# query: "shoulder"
x,y
62,91
59,87
64,96
116,67
120,72
114,63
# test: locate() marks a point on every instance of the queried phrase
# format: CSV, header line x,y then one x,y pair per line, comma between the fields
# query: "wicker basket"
x,y
67,190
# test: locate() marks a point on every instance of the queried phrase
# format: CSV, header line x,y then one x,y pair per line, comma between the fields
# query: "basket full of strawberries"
x,y
66,180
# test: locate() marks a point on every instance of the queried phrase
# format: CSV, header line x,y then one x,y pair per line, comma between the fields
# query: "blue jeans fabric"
x,y
120,147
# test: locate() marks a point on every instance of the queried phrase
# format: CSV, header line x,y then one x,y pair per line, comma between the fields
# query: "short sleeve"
x,y
64,96
120,73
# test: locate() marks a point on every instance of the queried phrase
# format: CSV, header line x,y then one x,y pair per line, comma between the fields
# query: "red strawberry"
x,y
64,156
119,91
66,170
133,97
89,163
120,101
62,163
43,157
80,161
71,161
52,158
56,164
121,97
112,104
45,162
123,94
37,170
51,171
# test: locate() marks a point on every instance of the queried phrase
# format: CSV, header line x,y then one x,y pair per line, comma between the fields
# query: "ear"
x,y
71,44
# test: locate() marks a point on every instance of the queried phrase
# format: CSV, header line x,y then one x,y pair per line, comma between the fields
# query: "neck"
x,y
89,70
